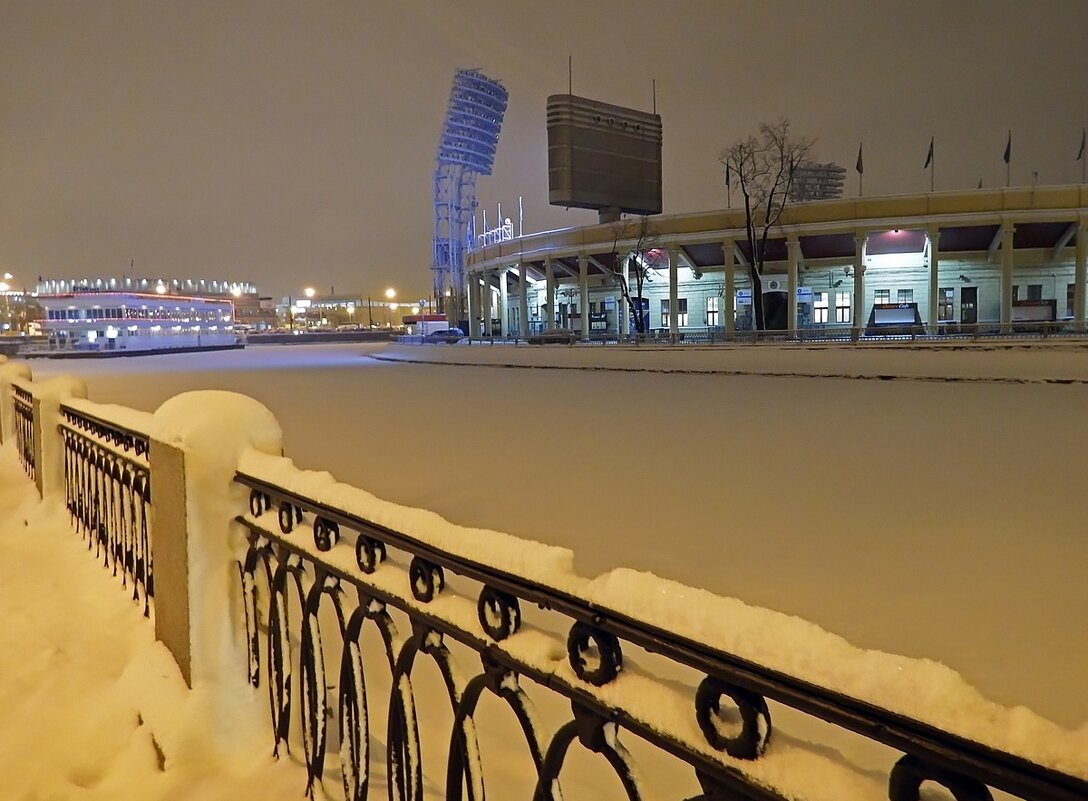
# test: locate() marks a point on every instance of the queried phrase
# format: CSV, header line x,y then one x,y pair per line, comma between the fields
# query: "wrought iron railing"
x,y
349,565
107,488
23,404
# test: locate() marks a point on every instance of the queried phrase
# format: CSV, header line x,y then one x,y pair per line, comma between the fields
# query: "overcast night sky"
x,y
293,143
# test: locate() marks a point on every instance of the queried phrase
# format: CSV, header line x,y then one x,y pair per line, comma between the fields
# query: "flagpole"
x,y
1008,161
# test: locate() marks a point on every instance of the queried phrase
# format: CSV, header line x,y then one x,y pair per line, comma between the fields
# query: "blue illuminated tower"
x,y
470,136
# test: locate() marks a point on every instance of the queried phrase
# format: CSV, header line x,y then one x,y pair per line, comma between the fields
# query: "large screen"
x,y
602,156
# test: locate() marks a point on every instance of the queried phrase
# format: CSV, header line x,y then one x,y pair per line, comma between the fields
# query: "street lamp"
x,y
309,291
390,293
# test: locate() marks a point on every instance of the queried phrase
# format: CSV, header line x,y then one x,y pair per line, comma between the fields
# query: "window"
x,y
905,296
682,312
946,298
1035,291
882,296
842,307
1070,295
1015,292
664,314
712,311
819,307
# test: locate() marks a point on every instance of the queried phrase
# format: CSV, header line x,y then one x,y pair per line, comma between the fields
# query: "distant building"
x,y
815,181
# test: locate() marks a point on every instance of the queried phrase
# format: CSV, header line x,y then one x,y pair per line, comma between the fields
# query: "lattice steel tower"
x,y
470,136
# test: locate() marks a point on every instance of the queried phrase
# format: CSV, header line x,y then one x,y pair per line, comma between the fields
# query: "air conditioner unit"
x,y
774,285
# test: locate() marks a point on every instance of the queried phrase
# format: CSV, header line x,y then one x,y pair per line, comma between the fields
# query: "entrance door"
x,y
969,305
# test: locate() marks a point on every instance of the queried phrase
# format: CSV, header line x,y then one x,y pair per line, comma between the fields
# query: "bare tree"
x,y
635,240
764,166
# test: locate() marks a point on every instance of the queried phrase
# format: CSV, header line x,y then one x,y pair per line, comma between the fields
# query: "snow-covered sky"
x,y
293,144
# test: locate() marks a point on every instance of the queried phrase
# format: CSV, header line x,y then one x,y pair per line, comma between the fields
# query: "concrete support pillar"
x,y
729,310
859,283
623,316
674,295
523,299
549,297
9,371
471,303
48,444
1007,231
934,277
793,251
485,304
1079,270
504,311
583,295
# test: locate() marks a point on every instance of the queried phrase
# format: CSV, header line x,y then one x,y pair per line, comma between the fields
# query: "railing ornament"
x,y
369,553
326,533
910,772
427,579
594,654
755,721
500,613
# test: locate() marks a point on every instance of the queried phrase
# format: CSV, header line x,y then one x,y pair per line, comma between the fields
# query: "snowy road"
x,y
925,518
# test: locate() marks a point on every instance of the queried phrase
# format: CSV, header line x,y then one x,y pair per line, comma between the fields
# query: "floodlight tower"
x,y
470,136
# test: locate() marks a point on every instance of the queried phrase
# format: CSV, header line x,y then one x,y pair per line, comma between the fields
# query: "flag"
x,y
1080,153
929,156
1008,148
860,167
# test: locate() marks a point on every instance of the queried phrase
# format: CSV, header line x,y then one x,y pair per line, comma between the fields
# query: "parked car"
x,y
446,336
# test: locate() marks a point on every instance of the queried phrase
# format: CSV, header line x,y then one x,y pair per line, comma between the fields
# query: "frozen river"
x,y
927,518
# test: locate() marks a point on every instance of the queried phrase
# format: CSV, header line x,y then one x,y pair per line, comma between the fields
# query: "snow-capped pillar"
x,y
523,299
485,303
793,258
729,312
674,294
934,234
504,300
623,317
48,445
8,372
1080,268
1007,232
196,440
583,294
859,282
549,299
473,299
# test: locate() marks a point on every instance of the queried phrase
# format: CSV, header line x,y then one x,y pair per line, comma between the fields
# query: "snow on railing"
x,y
369,559
23,406
107,488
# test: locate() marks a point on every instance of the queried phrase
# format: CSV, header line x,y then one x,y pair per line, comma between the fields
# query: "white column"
x,y
1079,270
623,316
859,282
674,295
1007,231
583,295
729,312
793,251
934,277
504,312
485,303
472,298
549,298
523,299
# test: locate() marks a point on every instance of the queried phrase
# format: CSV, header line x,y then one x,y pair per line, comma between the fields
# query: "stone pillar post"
x,y
8,372
583,295
934,234
48,444
859,283
472,300
674,295
1007,231
729,310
